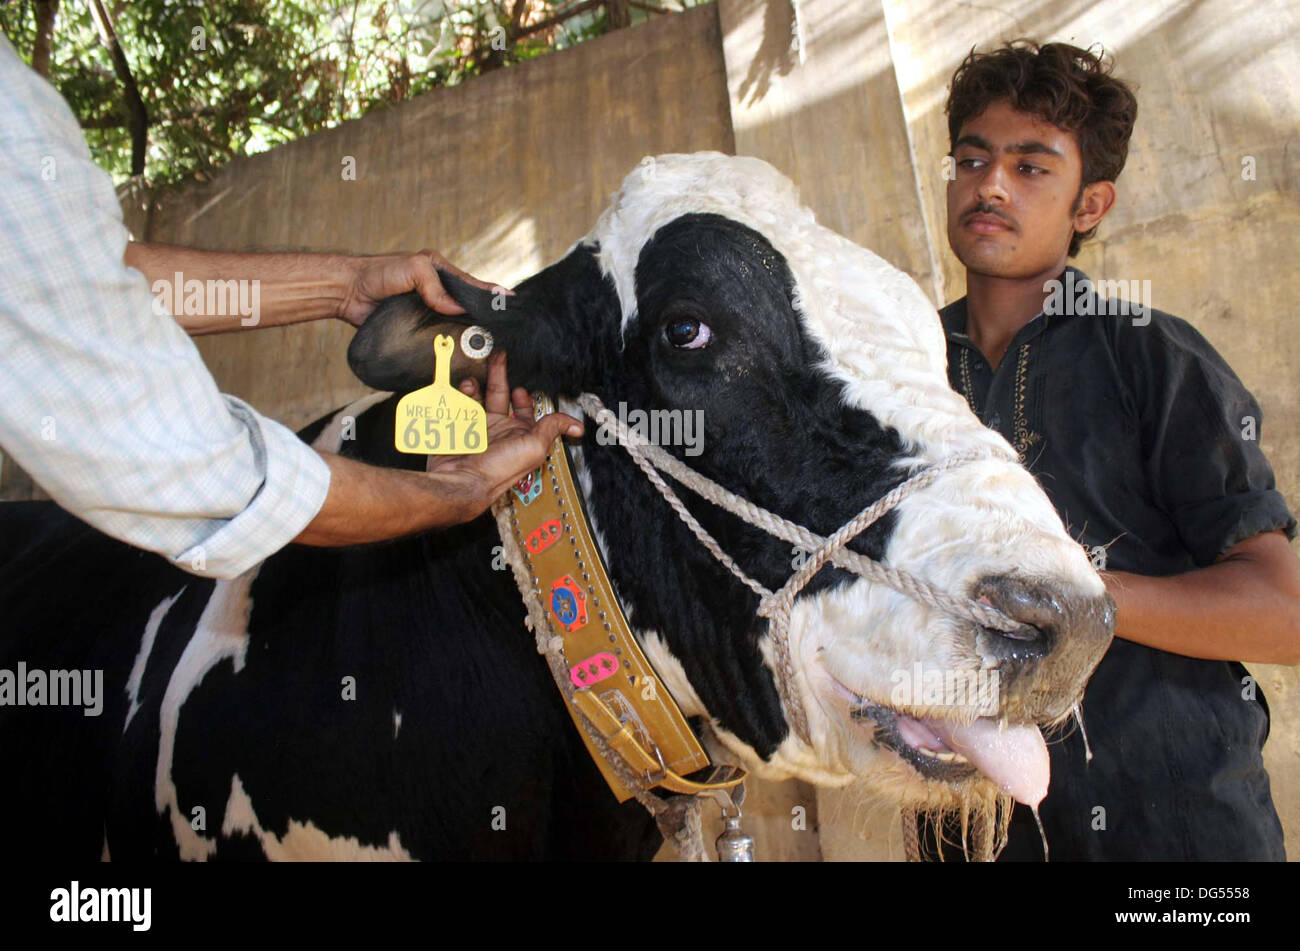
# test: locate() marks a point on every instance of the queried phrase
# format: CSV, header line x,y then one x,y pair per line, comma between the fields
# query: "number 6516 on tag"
x,y
439,419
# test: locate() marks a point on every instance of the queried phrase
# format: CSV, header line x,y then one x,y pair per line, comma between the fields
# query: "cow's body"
x,y
232,697
819,371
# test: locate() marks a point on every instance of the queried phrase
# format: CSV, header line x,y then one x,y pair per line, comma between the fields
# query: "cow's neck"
x,y
688,601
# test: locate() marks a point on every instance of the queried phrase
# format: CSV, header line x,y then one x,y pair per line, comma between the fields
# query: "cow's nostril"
x,y
1026,632
1037,607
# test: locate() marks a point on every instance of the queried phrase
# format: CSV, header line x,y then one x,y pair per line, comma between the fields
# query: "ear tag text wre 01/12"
x,y
438,419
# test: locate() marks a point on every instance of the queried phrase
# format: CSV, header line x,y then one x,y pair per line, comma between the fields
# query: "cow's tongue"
x,y
1014,757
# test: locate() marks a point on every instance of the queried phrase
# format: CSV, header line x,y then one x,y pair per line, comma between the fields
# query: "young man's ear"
x,y
1097,199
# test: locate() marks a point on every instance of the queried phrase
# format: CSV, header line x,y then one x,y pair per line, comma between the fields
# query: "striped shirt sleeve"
x,y
104,399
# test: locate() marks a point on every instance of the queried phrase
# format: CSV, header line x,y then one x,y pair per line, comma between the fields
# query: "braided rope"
x,y
644,453
707,540
911,837
860,523
776,606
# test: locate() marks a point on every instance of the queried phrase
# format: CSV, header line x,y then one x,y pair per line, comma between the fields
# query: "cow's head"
x,y
819,371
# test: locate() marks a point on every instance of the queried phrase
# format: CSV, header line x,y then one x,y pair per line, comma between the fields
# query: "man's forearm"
x,y
369,504
214,291
1245,607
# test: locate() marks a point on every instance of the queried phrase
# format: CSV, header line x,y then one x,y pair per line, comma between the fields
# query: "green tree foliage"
x,y
224,79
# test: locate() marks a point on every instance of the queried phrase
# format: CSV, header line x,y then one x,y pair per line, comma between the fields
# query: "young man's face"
x,y
1011,207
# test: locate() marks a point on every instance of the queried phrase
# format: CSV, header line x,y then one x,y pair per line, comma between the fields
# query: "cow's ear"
x,y
393,349
552,327
559,328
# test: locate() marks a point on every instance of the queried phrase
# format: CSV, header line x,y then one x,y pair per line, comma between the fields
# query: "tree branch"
x,y
617,14
44,43
517,16
559,18
137,115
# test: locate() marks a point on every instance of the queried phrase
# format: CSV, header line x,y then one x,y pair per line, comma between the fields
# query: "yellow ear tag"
x,y
440,420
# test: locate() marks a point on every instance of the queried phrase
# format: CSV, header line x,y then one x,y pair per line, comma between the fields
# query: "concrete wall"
x,y
503,173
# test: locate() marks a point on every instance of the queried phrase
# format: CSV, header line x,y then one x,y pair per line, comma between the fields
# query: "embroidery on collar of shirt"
x,y
1022,438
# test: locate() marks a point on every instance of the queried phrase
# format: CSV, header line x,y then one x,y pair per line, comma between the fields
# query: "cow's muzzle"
x,y
1047,659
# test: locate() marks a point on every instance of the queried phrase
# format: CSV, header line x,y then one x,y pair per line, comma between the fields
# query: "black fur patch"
x,y
425,625
554,329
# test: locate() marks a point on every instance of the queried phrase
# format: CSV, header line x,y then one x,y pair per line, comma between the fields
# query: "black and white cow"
x,y
229,731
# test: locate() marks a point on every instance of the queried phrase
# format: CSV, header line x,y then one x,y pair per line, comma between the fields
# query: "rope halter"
x,y
776,605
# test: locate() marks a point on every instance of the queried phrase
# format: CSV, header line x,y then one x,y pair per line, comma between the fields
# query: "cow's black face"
x,y
716,334
817,372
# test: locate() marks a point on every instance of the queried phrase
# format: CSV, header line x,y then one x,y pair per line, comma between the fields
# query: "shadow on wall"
x,y
777,52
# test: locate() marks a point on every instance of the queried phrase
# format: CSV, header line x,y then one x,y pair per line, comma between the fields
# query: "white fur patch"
x,y
222,635
330,439
142,656
303,841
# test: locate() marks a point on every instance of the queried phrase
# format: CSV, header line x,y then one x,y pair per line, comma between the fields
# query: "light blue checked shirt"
x,y
107,405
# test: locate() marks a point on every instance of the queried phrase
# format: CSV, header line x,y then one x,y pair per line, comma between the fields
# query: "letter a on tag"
x,y
439,420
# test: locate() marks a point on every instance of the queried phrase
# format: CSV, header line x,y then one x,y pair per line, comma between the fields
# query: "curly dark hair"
x,y
1069,87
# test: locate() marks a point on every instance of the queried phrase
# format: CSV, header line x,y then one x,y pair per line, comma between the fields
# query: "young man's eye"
x,y
1032,169
970,162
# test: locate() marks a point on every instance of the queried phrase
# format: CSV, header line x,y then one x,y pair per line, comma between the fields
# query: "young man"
x,y
1147,444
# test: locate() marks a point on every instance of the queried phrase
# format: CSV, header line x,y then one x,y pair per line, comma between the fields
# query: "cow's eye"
x,y
687,333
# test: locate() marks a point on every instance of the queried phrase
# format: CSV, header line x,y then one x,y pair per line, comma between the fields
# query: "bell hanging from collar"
x,y
734,845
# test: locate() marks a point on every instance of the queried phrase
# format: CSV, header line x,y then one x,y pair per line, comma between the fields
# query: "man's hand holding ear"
x,y
375,278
